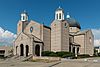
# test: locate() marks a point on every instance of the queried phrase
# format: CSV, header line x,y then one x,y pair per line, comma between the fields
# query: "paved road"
x,y
90,62
77,64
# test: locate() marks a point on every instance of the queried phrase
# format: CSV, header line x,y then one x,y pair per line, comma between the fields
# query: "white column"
x,y
24,46
75,51
33,49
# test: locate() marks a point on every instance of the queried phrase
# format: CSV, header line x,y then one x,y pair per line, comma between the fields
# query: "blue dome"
x,y
73,23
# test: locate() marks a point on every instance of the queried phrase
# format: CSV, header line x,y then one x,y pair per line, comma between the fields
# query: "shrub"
x,y
65,54
98,54
62,54
47,53
52,54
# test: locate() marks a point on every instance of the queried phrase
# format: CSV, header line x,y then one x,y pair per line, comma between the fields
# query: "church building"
x,y
64,34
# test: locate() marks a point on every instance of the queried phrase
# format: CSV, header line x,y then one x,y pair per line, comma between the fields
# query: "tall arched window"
x,y
59,15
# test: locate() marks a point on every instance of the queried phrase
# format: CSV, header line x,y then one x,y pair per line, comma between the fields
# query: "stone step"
x,y
18,58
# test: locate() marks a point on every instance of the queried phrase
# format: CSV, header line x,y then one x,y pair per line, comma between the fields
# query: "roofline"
x,y
46,27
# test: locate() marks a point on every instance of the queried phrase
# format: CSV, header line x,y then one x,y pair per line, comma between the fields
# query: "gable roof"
x,y
33,36
30,36
83,32
79,33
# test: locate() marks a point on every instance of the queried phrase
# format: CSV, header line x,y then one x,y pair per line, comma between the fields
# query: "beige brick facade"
x,y
40,35
85,40
62,35
59,36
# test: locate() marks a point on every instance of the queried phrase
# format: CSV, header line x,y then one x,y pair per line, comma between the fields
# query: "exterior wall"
x,y
41,32
64,36
89,43
59,36
86,42
56,36
47,39
21,26
73,29
36,29
25,40
7,50
80,40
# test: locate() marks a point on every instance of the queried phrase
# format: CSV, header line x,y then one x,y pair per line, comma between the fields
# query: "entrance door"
x,y
37,50
21,50
78,50
73,49
27,50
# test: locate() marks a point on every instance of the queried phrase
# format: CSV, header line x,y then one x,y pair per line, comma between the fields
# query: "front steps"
x,y
17,58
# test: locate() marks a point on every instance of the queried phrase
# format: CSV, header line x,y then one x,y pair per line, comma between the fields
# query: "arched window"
x,y
65,24
59,15
90,39
23,17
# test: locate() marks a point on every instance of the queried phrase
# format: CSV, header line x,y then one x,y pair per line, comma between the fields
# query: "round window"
x,y
31,29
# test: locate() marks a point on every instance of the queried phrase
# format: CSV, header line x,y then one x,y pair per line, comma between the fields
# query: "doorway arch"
x,y
73,49
27,50
16,49
37,50
21,50
78,50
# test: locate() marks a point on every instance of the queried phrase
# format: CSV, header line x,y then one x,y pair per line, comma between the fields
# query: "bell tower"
x,y
24,16
23,22
59,14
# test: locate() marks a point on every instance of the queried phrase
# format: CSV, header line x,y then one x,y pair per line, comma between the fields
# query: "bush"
x,y
61,54
53,54
65,54
47,53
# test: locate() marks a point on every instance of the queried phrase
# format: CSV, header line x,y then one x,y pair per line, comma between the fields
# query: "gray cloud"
x,y
96,33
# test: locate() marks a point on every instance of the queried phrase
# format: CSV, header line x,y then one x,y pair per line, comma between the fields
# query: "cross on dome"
x,y
59,7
